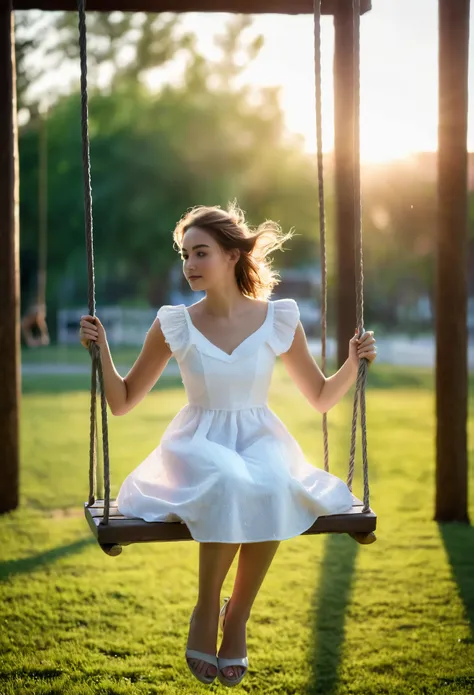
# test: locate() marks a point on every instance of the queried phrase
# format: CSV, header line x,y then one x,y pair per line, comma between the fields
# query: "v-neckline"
x,y
245,340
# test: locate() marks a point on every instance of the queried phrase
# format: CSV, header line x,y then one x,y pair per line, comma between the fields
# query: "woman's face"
x,y
206,264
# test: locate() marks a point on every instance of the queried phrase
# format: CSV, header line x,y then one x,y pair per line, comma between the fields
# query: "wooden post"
x,y
451,265
344,176
9,265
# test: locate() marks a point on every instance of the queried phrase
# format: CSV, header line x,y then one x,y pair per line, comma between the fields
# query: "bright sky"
x,y
399,75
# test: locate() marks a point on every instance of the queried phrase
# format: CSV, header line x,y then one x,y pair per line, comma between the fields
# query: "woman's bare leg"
x,y
254,562
215,560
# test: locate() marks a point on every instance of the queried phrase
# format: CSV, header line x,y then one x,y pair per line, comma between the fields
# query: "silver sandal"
x,y
210,659
243,662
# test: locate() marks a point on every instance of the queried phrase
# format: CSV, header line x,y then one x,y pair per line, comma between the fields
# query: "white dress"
x,y
226,464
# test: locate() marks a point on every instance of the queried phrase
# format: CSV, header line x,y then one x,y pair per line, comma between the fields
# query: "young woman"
x,y
226,465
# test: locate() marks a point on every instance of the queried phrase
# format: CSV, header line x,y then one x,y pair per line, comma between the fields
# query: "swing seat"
x,y
122,530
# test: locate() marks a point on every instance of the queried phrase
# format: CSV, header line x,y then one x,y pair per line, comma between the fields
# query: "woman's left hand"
x,y
363,347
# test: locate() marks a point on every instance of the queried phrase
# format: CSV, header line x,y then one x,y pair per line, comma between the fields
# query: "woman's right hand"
x,y
92,329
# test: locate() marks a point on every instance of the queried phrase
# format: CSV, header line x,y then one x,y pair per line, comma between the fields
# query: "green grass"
x,y
332,617
74,355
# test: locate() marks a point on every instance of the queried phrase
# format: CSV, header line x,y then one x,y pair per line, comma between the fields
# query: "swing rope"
x,y
96,373
361,383
322,209
42,210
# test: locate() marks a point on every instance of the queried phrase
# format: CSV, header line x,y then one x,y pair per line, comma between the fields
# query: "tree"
x,y
125,45
206,140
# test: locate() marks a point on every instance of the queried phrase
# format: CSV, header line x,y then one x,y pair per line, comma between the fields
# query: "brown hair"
x,y
254,274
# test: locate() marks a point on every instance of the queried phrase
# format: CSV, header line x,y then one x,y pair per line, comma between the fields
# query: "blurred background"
x,y
207,108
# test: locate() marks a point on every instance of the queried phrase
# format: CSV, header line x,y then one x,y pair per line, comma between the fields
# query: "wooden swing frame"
x,y
452,226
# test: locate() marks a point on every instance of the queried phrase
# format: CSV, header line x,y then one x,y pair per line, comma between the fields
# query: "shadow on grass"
x,y
458,541
334,595
29,564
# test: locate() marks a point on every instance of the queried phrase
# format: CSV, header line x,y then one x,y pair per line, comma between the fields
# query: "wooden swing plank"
x,y
123,530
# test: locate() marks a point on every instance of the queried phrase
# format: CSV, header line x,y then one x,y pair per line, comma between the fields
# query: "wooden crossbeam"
x,y
328,7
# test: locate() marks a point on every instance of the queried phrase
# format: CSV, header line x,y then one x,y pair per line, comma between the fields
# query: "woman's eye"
x,y
199,253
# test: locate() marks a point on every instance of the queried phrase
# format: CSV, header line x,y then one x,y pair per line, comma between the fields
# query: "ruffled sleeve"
x,y
175,329
286,316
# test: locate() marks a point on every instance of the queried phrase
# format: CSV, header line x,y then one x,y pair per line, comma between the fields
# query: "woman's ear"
x,y
234,255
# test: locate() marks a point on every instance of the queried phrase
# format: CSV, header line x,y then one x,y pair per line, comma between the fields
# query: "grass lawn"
x,y
74,355
332,617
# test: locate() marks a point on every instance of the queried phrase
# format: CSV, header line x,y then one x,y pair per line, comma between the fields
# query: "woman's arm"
x,y
123,394
321,392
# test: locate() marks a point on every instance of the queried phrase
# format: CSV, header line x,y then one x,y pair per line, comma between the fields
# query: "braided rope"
x,y
93,438
42,210
361,383
322,210
93,348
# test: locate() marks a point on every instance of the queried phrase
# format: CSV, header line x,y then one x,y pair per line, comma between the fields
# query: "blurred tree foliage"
x,y
204,138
